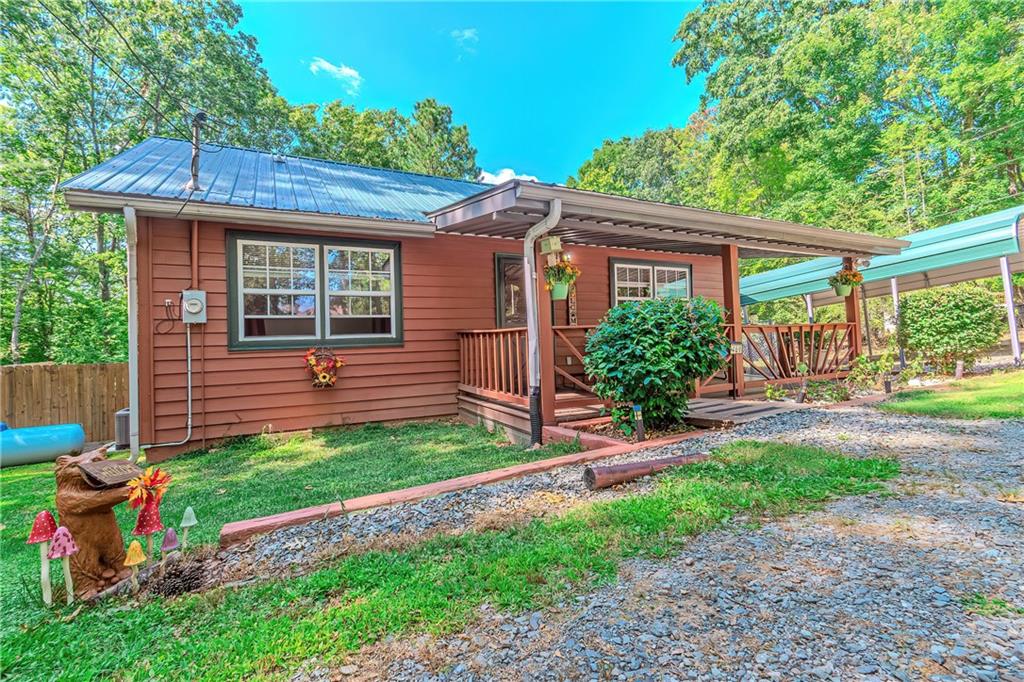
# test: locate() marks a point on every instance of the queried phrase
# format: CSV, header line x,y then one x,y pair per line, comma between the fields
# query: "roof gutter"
x,y
250,215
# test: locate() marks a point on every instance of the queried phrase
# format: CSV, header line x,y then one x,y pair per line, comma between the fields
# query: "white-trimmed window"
x,y
300,292
361,291
639,281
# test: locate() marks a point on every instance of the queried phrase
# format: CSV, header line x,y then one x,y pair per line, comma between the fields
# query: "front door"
x,y
510,291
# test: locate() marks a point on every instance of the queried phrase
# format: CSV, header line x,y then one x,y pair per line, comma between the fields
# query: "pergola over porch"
x,y
526,211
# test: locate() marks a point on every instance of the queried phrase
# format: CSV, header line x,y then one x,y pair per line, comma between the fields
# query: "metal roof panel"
x,y
159,168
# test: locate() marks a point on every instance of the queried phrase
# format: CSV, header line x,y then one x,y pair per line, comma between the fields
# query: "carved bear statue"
x,y
89,515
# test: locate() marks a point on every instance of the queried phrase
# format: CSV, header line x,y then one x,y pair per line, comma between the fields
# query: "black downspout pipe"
x,y
536,424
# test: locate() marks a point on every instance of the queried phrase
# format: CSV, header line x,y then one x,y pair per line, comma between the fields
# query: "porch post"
x,y
809,304
853,316
733,312
546,346
895,288
1011,314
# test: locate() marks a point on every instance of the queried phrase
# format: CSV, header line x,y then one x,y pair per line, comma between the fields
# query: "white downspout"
x,y
532,320
135,448
132,238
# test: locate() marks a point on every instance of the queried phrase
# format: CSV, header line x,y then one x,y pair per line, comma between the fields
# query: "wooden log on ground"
x,y
604,477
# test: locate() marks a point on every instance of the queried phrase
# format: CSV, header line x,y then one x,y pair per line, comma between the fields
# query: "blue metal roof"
x,y
985,237
159,168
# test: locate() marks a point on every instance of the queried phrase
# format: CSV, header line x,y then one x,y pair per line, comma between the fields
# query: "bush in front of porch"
x,y
650,353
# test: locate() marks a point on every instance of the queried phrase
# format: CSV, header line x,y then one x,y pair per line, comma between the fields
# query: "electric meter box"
x,y
193,306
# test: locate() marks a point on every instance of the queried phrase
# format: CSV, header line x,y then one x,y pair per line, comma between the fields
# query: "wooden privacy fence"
x,y
45,393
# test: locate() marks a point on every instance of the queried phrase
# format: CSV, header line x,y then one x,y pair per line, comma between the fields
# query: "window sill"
x,y
304,344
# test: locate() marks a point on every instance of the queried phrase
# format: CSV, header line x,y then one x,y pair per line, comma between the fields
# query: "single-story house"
x,y
425,285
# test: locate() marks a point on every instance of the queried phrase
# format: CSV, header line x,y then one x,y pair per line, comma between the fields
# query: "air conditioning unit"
x,y
122,429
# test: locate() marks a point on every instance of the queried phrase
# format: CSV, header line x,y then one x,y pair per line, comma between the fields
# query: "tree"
x,y
81,81
434,145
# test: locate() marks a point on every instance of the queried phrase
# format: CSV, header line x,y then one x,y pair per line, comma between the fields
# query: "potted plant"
x,y
558,277
844,281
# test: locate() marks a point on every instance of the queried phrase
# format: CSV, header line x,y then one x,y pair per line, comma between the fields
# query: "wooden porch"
x,y
493,382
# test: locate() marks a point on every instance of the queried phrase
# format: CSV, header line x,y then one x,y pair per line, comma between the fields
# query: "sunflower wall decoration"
x,y
323,366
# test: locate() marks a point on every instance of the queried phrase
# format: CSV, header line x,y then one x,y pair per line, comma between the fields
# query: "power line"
x,y
1008,195
145,66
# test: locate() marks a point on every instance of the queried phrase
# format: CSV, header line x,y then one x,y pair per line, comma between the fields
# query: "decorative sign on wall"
x,y
572,305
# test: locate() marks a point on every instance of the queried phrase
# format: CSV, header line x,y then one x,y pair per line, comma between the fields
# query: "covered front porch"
x,y
526,376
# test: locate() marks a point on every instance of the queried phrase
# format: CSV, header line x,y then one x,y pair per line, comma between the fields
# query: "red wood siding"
x,y
448,285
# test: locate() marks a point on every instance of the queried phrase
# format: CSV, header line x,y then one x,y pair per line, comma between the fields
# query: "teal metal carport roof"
x,y
957,252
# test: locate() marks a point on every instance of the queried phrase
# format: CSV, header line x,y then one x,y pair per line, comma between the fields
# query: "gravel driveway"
x,y
870,587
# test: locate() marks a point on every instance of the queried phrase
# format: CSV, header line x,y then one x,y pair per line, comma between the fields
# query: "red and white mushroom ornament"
x,y
62,548
43,530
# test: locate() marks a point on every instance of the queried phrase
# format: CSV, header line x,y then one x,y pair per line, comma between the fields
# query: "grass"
x,y
984,605
266,630
994,396
255,477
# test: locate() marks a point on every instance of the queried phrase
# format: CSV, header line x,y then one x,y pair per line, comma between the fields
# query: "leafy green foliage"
x,y
951,323
996,396
64,109
775,392
271,628
827,391
649,353
257,476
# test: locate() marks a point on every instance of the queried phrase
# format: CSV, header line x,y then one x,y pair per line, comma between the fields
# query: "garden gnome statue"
x,y
43,530
88,514
63,548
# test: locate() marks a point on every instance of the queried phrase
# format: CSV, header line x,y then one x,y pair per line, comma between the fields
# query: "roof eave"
x,y
250,215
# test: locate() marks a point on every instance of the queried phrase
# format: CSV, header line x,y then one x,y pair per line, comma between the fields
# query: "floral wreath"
x,y
323,366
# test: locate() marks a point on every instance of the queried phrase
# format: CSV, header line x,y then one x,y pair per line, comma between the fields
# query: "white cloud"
x,y
504,175
466,39
342,72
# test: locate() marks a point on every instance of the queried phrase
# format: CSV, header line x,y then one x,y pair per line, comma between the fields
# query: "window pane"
x,y
381,261
337,259
381,282
280,257
255,304
346,326
339,282
303,257
360,305
380,305
304,279
360,282
280,326
254,278
360,260
254,254
672,282
280,278
304,305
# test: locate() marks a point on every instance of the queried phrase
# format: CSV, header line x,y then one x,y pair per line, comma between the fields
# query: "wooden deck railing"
x,y
493,364
776,352
493,361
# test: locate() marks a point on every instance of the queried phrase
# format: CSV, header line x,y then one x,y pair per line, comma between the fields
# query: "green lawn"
x,y
266,630
995,396
256,477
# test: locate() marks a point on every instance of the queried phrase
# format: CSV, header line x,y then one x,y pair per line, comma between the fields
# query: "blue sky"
x,y
539,84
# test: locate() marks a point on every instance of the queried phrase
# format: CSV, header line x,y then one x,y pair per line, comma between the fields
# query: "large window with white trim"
x,y
642,280
294,292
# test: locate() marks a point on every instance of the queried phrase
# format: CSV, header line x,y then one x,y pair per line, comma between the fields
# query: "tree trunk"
x,y
19,300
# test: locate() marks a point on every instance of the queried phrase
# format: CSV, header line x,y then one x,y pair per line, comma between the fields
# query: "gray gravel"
x,y
867,588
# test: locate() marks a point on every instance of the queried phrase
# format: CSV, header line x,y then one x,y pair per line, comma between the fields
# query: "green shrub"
x,y
650,353
949,324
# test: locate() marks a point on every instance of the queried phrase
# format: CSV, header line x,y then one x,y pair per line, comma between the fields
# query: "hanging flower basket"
x,y
323,366
559,277
844,281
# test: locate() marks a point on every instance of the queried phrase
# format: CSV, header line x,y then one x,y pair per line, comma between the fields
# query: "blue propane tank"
x,y
34,444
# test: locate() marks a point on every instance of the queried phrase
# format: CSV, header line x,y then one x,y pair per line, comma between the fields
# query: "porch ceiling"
x,y
594,219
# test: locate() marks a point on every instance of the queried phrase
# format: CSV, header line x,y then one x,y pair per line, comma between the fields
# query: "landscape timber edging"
x,y
238,531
